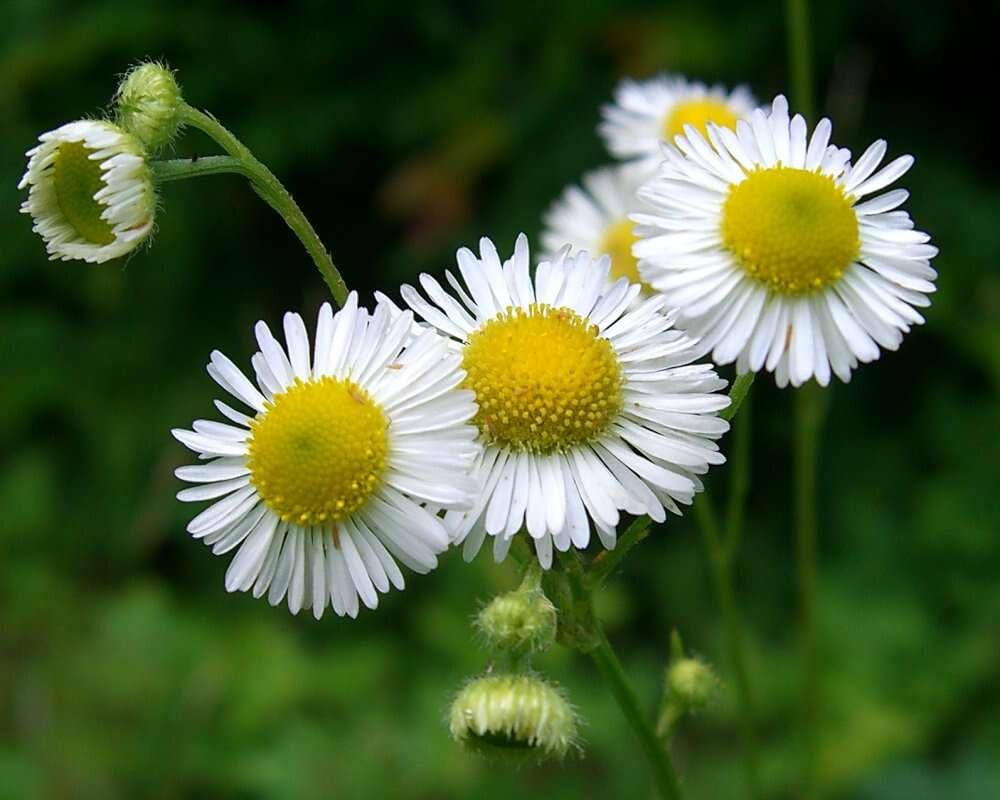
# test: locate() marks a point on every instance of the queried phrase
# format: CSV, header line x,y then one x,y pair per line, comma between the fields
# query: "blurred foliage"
x,y
406,130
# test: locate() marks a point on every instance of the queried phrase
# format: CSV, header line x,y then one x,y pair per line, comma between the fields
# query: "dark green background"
x,y
406,131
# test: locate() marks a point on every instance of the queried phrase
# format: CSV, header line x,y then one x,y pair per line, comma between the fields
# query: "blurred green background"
x,y
405,131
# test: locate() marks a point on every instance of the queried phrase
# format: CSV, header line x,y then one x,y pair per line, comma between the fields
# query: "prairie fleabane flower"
x,y
763,241
587,402
645,114
324,485
594,217
90,191
513,717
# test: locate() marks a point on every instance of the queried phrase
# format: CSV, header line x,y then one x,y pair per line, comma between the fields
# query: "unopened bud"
x,y
519,622
691,682
518,717
148,104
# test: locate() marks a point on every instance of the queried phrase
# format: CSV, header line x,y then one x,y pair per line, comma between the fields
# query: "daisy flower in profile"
x,y
90,191
595,217
645,114
324,483
588,405
778,251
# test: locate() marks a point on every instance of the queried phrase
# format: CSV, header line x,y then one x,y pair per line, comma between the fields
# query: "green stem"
x,y
176,169
739,481
264,183
721,560
808,422
737,394
607,561
614,675
800,56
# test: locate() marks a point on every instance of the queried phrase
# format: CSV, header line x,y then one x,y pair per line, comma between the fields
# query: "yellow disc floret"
x,y
318,451
698,113
544,379
77,179
617,243
791,229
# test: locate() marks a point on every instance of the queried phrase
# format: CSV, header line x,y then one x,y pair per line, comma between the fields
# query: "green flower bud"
x,y
513,717
519,622
148,104
691,682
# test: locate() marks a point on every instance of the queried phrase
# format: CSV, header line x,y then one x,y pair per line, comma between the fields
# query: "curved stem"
x,y
269,188
808,421
614,675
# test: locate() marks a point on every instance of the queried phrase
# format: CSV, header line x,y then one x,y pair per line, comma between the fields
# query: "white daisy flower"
x,y
595,218
764,242
644,114
91,194
324,483
587,406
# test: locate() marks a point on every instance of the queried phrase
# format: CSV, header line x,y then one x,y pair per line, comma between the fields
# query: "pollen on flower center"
x,y
792,229
77,179
697,113
319,450
617,243
543,378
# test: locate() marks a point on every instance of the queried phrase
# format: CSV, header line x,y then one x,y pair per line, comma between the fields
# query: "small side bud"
x,y
691,682
148,104
513,717
519,622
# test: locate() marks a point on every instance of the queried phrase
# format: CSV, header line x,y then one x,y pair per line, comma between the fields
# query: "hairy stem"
x,y
655,751
176,169
264,183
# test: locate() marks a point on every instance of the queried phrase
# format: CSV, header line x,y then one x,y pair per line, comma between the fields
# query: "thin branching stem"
x,y
241,161
664,774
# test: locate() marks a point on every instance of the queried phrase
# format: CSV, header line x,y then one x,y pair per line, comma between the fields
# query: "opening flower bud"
x,y
519,622
513,717
148,104
90,191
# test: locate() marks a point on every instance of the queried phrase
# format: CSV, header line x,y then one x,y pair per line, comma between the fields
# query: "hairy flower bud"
x,y
148,104
691,682
519,622
514,717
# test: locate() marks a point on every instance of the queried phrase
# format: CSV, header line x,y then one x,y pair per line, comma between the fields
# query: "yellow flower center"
x,y
318,452
791,229
544,379
617,243
77,179
698,113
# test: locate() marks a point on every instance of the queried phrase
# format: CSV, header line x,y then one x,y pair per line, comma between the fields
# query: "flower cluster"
x,y
544,401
